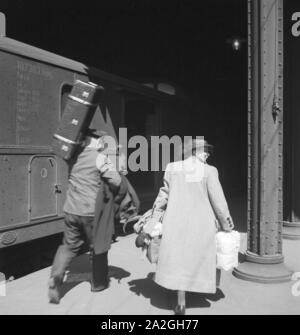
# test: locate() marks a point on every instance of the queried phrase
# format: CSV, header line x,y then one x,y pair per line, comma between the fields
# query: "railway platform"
x,y
132,290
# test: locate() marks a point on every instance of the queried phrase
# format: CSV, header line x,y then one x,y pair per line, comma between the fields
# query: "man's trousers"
x,y
78,237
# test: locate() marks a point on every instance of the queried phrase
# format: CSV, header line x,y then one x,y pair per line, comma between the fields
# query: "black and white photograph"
x,y
149,159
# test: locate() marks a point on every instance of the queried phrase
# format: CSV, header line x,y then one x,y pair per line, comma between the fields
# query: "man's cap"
x,y
95,133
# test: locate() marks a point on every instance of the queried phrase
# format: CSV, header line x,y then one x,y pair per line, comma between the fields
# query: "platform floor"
x,y
132,290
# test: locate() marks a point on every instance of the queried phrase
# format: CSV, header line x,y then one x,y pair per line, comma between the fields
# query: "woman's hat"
x,y
197,143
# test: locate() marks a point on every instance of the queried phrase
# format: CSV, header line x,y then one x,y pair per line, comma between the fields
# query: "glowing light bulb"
x,y
236,44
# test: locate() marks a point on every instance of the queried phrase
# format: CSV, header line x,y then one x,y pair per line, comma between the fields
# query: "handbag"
x,y
150,245
144,240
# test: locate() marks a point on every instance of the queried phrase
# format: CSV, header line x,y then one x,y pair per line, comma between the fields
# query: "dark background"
x,y
183,42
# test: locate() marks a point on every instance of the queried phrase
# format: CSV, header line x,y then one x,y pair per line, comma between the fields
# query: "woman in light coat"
x,y
191,198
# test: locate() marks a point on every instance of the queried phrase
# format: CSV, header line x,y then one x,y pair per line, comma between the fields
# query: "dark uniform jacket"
x,y
111,204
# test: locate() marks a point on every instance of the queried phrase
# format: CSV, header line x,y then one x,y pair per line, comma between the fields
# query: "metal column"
x,y
263,258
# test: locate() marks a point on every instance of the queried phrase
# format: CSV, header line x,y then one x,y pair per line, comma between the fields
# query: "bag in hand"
x,y
227,245
149,234
153,249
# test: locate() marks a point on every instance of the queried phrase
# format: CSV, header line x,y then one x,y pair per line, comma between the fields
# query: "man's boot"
x,y
100,278
53,291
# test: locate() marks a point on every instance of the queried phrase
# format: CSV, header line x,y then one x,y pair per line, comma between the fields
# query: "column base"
x,y
291,230
272,259
258,269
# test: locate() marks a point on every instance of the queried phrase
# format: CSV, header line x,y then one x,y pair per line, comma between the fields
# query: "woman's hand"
x,y
229,226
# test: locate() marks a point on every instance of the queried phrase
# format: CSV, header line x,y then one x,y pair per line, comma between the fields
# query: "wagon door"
x,y
43,188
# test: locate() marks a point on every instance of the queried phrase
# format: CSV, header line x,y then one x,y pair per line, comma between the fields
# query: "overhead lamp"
x,y
236,43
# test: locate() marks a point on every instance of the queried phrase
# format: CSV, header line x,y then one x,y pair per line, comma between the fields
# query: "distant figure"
x,y
191,198
89,175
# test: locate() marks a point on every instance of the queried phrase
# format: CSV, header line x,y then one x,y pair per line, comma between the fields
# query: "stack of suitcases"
x,y
78,113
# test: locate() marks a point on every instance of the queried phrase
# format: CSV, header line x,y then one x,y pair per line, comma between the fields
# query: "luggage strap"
x,y
65,139
81,101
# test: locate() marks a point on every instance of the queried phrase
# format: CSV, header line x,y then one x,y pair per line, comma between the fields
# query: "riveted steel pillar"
x,y
263,258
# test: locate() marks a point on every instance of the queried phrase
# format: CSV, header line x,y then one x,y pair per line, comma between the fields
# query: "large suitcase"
x,y
78,113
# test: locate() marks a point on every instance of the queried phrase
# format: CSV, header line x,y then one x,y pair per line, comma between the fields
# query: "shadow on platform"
x,y
80,271
163,298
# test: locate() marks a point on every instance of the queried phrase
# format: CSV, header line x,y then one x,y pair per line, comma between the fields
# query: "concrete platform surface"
x,y
132,290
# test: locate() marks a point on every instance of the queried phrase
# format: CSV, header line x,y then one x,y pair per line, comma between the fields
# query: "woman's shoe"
x,y
179,310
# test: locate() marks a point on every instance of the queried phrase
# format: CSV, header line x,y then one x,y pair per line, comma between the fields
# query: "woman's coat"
x,y
192,197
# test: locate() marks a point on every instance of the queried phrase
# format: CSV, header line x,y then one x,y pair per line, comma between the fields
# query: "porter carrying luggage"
x,y
78,113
